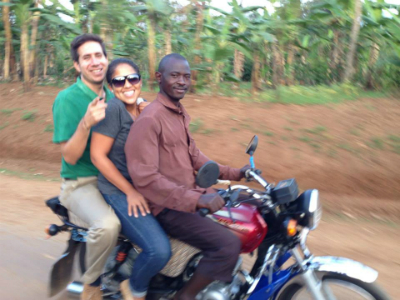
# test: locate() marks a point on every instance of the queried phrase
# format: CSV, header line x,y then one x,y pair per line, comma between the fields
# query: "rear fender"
x,y
61,272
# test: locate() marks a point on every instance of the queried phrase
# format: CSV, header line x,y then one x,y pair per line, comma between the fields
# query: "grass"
x,y
196,125
288,128
234,129
4,125
29,116
394,138
316,130
376,143
347,147
28,176
9,111
355,132
305,139
268,133
49,128
302,95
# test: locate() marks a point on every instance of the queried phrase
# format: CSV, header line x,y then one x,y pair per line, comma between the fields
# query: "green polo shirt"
x,y
68,109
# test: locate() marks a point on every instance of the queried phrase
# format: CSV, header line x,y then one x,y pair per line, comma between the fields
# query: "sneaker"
x,y
91,293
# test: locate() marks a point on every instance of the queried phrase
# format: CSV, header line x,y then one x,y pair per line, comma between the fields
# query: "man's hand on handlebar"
x,y
243,170
213,202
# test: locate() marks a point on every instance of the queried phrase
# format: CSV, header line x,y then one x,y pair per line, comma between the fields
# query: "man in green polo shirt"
x,y
75,110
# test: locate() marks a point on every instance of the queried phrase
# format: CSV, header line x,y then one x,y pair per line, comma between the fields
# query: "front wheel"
x,y
335,287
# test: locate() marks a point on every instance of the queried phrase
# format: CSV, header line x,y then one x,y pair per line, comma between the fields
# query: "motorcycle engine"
x,y
221,291
215,291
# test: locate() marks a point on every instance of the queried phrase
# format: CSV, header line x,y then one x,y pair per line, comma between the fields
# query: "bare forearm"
x,y
73,149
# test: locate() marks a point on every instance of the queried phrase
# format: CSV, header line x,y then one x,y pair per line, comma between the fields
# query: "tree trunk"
x,y
46,57
238,64
151,38
277,65
197,41
32,58
255,74
373,58
105,32
25,55
7,46
335,55
168,42
289,62
353,41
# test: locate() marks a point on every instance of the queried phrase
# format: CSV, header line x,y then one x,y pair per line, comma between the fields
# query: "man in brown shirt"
x,y
162,158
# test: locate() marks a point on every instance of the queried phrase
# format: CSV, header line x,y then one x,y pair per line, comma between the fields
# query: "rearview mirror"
x,y
208,174
252,146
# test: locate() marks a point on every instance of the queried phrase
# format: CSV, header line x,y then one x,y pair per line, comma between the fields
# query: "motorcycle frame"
x,y
270,284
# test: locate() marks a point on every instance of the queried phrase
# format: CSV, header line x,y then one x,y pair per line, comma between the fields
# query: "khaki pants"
x,y
87,208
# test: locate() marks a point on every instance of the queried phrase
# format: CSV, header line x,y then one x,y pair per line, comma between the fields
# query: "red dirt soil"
x,y
350,150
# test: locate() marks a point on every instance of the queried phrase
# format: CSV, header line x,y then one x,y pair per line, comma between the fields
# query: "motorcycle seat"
x,y
57,207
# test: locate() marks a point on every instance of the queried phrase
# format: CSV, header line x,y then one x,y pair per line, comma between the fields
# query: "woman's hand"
x,y
136,204
142,106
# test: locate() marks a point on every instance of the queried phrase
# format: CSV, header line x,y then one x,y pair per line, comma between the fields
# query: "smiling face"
x,y
92,63
175,79
128,93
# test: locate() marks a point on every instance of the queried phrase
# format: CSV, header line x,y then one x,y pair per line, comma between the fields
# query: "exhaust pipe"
x,y
75,288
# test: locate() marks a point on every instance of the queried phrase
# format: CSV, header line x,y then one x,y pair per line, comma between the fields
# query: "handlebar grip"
x,y
204,212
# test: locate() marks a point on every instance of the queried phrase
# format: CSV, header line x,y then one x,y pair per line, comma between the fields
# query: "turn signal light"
x,y
291,228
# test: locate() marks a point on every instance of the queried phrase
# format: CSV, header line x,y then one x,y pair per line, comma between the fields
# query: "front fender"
x,y
344,266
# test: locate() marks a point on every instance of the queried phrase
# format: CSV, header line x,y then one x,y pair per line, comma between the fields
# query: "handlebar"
x,y
253,174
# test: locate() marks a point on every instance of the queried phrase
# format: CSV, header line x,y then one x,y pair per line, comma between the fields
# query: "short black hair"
x,y
115,63
167,58
83,38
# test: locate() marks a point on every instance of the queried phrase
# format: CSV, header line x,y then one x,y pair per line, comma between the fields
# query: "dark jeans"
x,y
220,247
147,233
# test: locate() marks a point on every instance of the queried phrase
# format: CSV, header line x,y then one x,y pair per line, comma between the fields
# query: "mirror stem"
x,y
253,166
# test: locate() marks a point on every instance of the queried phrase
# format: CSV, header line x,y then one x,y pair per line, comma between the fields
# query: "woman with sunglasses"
x,y
107,154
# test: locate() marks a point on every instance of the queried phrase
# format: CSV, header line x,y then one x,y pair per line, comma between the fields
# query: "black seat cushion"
x,y
57,207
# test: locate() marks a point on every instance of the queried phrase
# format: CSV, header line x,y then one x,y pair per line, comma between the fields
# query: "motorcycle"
x,y
274,222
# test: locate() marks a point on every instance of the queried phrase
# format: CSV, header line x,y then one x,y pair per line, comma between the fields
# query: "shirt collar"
x,y
170,105
88,92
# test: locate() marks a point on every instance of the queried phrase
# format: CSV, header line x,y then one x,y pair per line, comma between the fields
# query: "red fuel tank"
x,y
247,224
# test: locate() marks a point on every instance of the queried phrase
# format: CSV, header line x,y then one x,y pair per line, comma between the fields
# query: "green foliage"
x,y
311,39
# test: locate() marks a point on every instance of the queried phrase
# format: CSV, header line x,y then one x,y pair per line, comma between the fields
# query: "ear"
x,y
158,77
77,67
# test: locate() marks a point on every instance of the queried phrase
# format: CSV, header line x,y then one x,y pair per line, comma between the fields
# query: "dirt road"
x,y
26,256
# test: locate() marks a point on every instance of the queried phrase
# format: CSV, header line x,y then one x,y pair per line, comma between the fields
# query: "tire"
x,y
294,290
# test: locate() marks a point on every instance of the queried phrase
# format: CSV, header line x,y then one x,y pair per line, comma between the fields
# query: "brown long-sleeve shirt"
x,y
162,158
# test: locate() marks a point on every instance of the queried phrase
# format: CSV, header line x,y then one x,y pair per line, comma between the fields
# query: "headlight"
x,y
309,204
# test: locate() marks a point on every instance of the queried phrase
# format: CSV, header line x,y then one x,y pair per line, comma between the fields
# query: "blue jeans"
x,y
147,233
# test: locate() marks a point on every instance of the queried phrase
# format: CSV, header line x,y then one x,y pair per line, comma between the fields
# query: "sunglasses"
x,y
119,81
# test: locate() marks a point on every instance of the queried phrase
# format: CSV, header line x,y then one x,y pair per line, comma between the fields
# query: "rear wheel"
x,y
336,287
